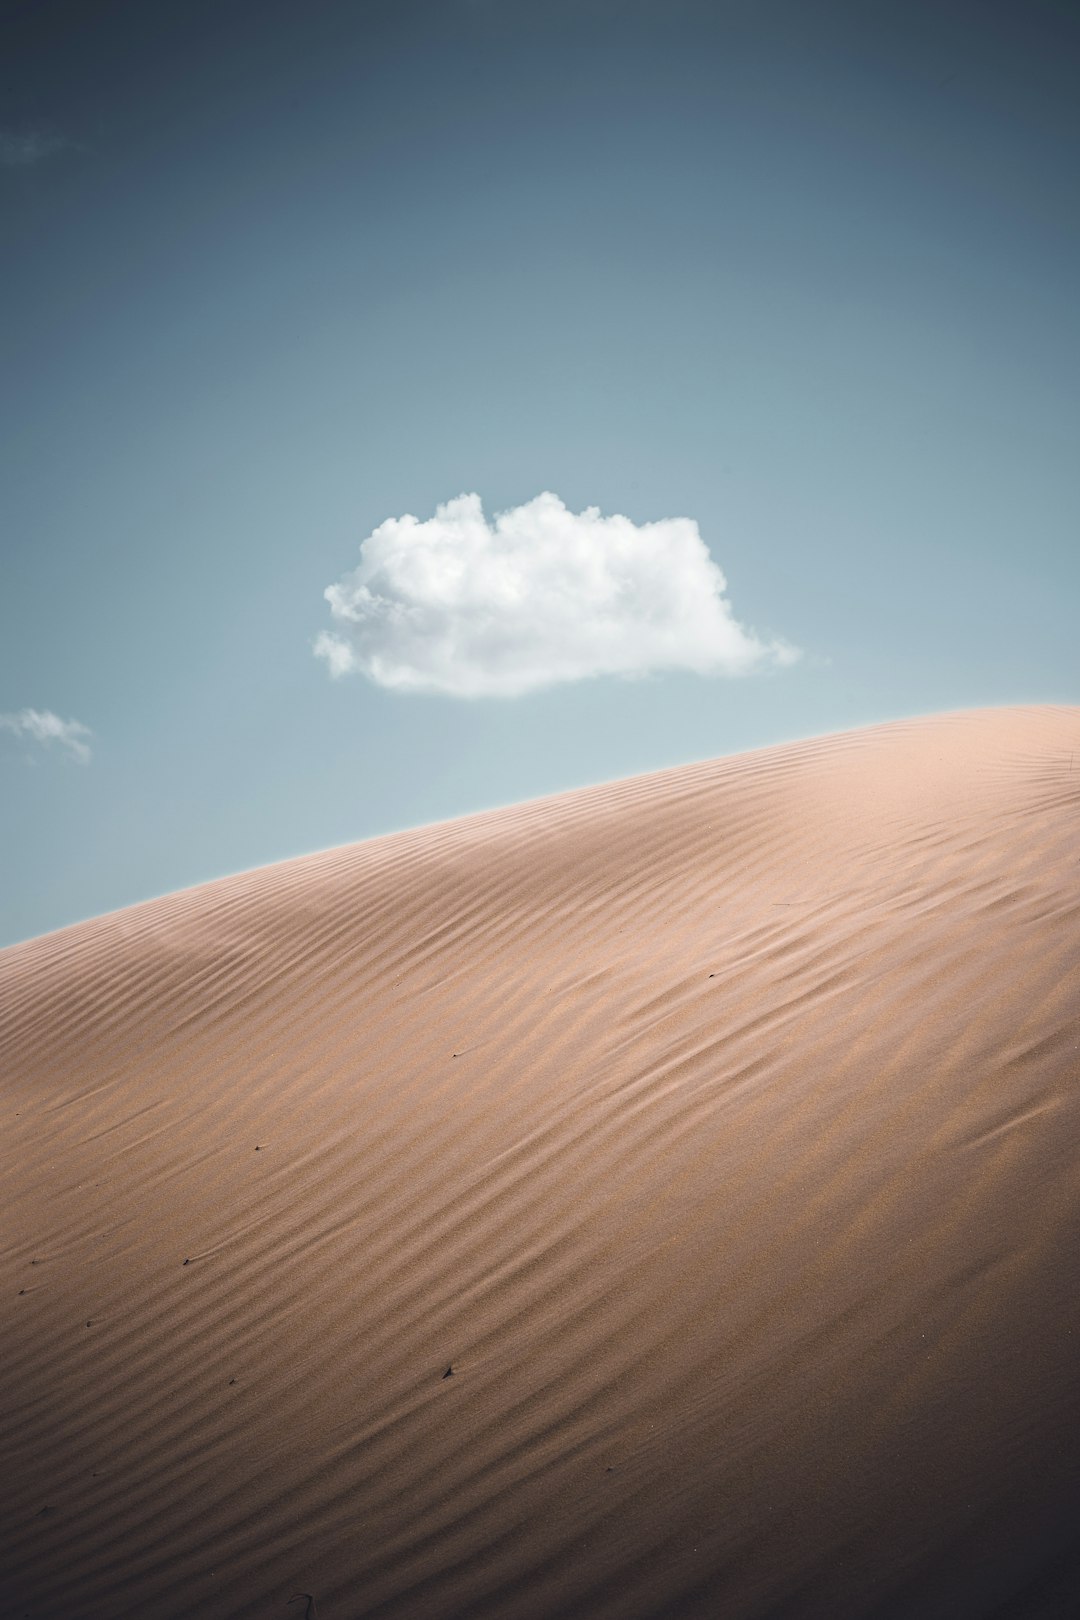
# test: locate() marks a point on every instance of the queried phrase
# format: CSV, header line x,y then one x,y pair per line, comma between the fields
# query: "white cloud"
x,y
22,149
542,595
42,726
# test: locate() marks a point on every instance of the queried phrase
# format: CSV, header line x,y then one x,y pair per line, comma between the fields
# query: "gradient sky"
x,y
804,272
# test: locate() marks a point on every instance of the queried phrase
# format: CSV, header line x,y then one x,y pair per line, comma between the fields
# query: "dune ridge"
x,y
717,1128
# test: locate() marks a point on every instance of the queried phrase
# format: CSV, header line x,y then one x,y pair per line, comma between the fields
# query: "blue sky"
x,y
802,273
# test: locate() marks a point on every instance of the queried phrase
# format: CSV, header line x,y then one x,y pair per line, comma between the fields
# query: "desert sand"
x,y
716,1131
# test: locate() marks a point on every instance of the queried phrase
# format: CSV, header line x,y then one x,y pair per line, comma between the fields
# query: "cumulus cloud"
x,y
23,149
42,726
540,596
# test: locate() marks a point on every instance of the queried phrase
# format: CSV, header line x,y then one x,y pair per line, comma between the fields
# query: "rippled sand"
x,y
718,1128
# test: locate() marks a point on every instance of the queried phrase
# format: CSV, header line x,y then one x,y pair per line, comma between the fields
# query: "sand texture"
x,y
719,1128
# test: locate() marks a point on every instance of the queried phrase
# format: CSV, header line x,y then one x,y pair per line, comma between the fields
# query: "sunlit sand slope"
x,y
719,1128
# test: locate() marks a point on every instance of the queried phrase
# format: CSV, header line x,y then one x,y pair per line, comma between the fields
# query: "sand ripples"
x,y
717,1127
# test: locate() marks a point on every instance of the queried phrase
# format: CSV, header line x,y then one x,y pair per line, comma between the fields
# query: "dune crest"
x,y
658,1200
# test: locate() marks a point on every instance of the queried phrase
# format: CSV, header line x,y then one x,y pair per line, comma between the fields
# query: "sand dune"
x,y
718,1128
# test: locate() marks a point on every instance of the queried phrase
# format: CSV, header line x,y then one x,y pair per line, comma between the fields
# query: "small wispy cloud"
x,y
541,596
25,148
42,726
